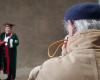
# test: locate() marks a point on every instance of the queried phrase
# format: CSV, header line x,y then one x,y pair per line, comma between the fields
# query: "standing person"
x,y
81,51
2,53
11,42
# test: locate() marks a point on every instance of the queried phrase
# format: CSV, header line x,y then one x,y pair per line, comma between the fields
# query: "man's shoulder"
x,y
14,34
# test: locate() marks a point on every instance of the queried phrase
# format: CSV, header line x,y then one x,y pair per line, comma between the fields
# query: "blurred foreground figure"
x,y
80,59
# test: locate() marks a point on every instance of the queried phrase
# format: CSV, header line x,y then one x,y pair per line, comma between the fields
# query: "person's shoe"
x,y
2,75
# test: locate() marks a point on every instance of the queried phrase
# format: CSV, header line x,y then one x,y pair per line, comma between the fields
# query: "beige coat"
x,y
81,62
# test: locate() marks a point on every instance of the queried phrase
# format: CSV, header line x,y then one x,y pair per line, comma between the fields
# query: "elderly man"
x,y
81,48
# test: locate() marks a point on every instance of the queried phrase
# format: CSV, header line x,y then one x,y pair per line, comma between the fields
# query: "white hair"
x,y
83,25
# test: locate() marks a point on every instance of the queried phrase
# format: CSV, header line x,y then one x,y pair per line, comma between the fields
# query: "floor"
x,y
23,73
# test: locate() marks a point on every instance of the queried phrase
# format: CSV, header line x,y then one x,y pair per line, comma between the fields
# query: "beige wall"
x,y
38,23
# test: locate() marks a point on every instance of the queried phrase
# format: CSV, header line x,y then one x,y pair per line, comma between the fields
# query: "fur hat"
x,y
83,11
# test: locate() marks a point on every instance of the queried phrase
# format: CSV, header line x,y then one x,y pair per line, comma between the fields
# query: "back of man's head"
x,y
83,16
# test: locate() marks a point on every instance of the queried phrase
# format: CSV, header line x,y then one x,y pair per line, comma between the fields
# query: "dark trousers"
x,y
1,62
12,70
2,54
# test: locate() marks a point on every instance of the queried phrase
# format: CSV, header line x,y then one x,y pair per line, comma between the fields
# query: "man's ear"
x,y
71,27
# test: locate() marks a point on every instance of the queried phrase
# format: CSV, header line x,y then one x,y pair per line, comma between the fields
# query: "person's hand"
x,y
2,42
16,41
